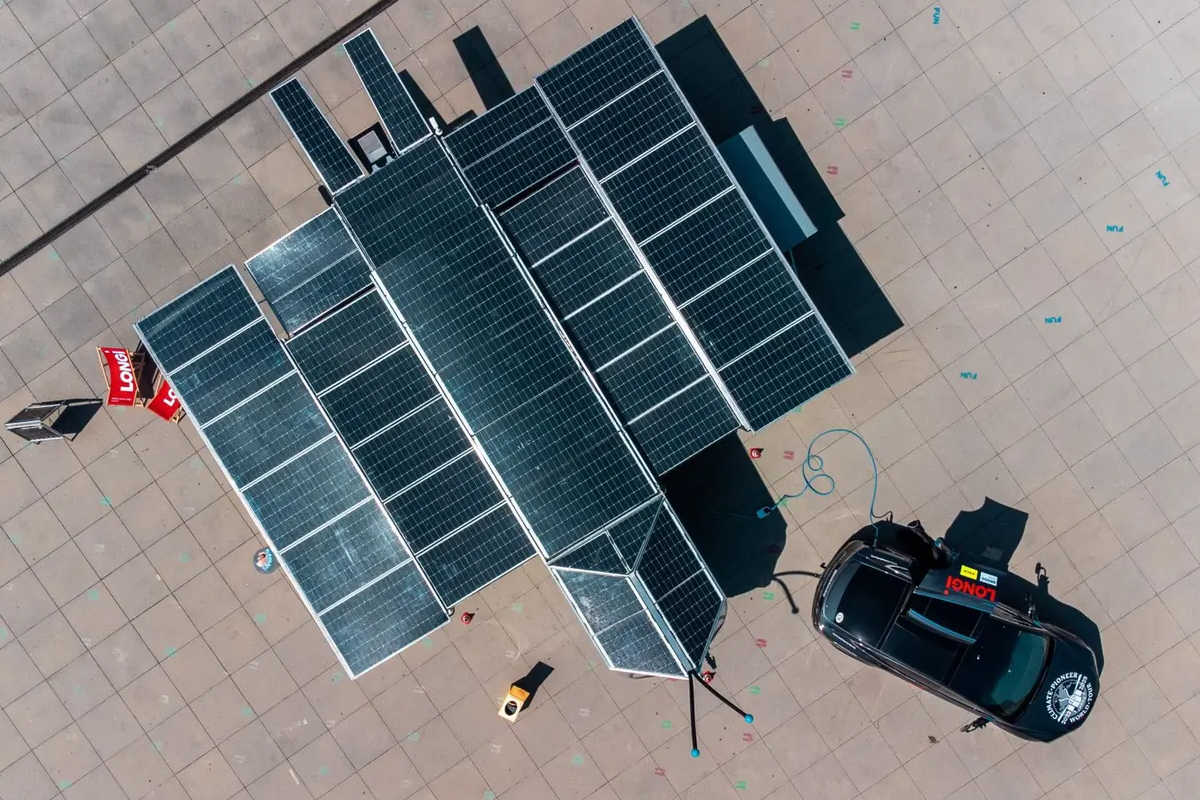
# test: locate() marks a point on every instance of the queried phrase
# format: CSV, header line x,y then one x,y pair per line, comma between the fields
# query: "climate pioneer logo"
x,y
1069,698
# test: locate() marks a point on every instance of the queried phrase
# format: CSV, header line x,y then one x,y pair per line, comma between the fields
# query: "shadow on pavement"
x,y
832,273
715,493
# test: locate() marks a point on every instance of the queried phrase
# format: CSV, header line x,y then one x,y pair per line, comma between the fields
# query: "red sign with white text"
x,y
122,384
165,403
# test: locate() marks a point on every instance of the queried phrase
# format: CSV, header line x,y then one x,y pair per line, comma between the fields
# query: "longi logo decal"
x,y
122,380
1069,698
956,584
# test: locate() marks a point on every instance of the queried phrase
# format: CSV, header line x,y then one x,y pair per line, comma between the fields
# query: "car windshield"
x,y
868,601
1002,668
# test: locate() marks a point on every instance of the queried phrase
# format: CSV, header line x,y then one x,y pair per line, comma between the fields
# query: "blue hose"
x,y
813,468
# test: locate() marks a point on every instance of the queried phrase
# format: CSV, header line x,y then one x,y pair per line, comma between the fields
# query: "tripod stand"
x,y
693,679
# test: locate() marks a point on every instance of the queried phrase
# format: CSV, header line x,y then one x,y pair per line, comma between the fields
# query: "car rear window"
x,y
868,603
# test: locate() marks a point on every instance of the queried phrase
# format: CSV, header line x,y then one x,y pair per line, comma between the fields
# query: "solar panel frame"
x,y
428,623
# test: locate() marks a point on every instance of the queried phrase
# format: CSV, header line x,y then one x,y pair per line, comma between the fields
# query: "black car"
x,y
898,600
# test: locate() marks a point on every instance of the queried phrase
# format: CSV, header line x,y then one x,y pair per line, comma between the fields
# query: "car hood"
x,y
1067,692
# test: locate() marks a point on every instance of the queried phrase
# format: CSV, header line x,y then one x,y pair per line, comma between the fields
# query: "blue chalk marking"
x,y
1115,228
969,375
937,15
1162,178
1053,320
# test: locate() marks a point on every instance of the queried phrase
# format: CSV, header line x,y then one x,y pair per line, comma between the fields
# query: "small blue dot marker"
x,y
749,718
695,753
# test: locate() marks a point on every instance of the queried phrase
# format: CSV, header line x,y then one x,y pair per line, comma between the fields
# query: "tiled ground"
x,y
1018,176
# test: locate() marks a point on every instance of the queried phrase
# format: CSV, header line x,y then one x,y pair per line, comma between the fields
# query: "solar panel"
x,y
700,236
309,271
320,141
399,114
267,432
411,447
554,216
665,441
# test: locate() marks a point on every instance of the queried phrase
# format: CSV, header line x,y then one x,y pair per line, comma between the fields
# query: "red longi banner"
x,y
122,382
165,403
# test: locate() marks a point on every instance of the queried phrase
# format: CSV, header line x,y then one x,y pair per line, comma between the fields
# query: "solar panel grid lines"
x,y
665,442
486,549
394,105
215,379
631,243
554,217
520,164
191,323
488,133
216,310
341,344
330,156
624,130
658,368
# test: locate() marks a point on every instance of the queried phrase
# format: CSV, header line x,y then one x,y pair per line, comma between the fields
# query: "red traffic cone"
x,y
756,452
466,617
707,676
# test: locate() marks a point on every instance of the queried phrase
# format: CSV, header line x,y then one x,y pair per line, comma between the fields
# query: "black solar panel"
x,y
398,608
345,342
199,319
691,610
396,108
635,644
617,322
310,270
554,215
521,164
598,73
379,395
345,555
666,183
668,443
292,472
502,123
231,371
657,369
798,363
602,600
444,501
580,272
476,555
325,148
631,125
598,554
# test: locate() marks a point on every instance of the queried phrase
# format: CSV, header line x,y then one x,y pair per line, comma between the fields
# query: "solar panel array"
x,y
642,143
309,271
410,446
399,114
480,331
328,153
651,372
280,453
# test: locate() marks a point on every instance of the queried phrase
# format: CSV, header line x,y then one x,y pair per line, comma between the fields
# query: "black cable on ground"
x,y
163,158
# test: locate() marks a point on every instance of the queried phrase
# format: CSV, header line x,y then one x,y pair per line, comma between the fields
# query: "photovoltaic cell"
x,y
553,215
227,374
396,108
267,430
618,321
565,465
691,610
705,247
598,72
801,362
668,561
666,183
635,644
325,148
740,312
305,493
592,264
499,126
631,125
602,600
520,164
382,394
310,270
411,448
653,372
476,555
683,426
346,555
346,341
398,608
199,319
443,501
